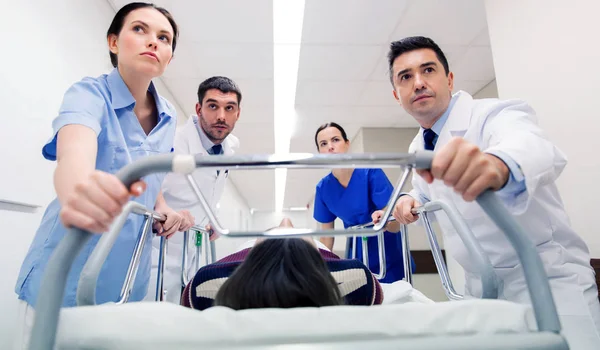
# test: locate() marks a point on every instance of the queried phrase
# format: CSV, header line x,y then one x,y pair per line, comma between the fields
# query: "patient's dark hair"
x,y
280,273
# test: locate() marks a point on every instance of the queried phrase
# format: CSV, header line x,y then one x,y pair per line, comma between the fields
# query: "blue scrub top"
x,y
105,105
368,190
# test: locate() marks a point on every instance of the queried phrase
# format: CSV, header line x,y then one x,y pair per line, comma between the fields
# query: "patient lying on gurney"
x,y
282,273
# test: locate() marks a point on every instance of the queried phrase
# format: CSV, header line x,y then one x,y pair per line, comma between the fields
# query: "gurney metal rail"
x,y
54,281
483,264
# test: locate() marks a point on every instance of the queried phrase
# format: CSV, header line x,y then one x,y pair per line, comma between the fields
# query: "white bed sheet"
x,y
162,326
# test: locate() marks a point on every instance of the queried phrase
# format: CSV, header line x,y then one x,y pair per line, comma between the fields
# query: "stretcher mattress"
x,y
148,325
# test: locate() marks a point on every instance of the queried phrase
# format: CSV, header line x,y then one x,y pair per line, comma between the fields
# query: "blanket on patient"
x,y
357,284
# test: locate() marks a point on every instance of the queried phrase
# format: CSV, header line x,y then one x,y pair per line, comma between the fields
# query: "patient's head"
x,y
280,273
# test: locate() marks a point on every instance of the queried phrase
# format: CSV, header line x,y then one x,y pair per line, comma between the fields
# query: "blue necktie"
x,y
429,136
216,149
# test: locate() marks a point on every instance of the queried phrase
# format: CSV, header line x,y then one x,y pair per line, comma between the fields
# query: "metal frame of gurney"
x,y
482,262
548,336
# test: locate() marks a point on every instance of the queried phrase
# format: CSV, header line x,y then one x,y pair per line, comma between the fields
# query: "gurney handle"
x,y
53,283
489,279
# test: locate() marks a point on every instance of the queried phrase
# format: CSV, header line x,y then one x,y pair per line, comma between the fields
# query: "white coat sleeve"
x,y
511,128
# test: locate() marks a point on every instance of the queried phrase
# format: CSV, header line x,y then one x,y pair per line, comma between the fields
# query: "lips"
x,y
150,54
419,98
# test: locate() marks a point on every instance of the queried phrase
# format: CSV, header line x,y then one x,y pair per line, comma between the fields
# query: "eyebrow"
x,y
423,65
144,24
215,101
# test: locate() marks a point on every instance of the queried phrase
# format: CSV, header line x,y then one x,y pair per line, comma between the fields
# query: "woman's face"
x,y
330,140
144,44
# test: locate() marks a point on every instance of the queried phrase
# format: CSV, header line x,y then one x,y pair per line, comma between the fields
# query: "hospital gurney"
x,y
482,262
160,325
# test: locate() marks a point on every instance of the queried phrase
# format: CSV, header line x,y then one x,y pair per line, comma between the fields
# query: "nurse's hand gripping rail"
x,y
48,305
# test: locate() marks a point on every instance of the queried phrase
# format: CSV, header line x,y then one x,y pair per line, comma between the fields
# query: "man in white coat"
x,y
208,132
489,143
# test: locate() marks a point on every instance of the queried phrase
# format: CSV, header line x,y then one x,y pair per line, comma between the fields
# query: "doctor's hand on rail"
x,y
95,202
465,168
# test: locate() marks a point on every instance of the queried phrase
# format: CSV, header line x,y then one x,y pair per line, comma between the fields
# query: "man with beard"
x,y
208,132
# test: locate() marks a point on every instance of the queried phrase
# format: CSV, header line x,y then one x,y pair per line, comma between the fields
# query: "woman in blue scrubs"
x,y
356,196
103,124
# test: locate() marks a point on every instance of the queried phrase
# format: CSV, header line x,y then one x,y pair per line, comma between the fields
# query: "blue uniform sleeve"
x,y
82,104
380,188
321,213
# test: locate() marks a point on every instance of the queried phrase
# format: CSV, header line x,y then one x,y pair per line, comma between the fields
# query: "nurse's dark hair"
x,y
223,84
413,43
280,273
330,125
119,20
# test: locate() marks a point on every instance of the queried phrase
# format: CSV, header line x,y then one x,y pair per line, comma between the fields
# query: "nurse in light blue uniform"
x,y
109,121
353,195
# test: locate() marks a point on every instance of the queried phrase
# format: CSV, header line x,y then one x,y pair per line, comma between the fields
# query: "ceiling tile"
x,y
255,138
337,62
355,22
239,61
455,22
378,93
327,93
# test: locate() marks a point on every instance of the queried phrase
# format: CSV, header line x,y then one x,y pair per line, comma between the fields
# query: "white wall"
x,y
52,45
546,53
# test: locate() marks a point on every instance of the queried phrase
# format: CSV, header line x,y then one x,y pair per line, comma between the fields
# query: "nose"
x,y
220,114
152,43
419,82
330,147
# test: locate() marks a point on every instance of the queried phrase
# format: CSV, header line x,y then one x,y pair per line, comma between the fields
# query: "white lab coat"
x,y
179,195
511,127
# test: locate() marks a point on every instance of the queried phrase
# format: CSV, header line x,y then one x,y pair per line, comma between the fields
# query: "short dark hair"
x,y
412,43
333,125
223,84
280,273
117,24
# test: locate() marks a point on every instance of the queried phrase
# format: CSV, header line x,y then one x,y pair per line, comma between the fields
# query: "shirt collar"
x,y
439,124
121,97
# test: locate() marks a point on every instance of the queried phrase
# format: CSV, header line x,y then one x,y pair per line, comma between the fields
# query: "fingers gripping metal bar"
x,y
53,283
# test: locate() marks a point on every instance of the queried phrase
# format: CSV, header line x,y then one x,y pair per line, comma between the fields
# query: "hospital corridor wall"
x,y
546,53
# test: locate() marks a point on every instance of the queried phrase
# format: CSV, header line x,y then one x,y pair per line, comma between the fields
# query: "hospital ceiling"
x,y
342,73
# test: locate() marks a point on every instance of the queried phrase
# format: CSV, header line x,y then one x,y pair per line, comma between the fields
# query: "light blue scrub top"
x,y
105,105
